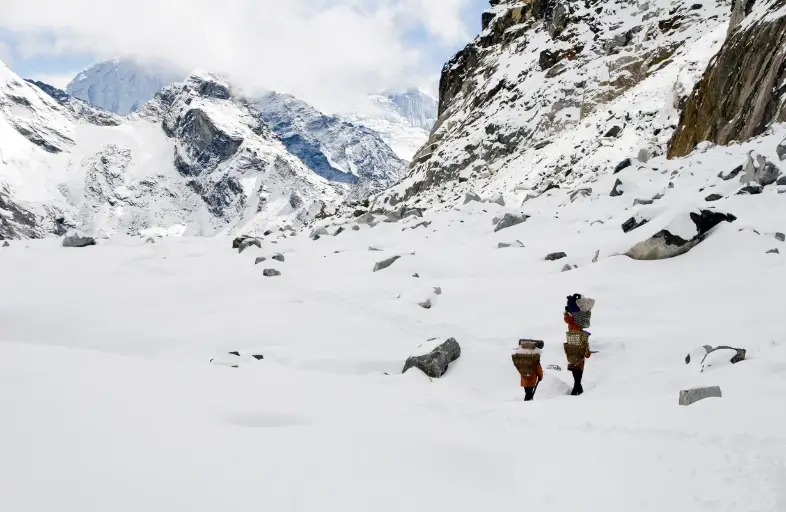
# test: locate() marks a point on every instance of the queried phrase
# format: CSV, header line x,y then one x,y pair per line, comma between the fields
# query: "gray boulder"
x,y
616,192
498,199
414,212
781,181
623,165
691,396
366,218
509,220
248,242
664,244
470,197
271,272
567,268
737,355
150,240
6,244
278,257
382,265
759,170
426,304
581,192
596,257
780,237
713,197
339,231
356,228
318,233
435,363
644,155
645,202
259,260
556,256
633,223
76,239
773,251
374,249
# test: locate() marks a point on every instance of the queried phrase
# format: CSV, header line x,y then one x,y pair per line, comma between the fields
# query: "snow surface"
x,y
109,401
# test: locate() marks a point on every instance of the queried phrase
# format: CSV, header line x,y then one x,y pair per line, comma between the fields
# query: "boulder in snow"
x,y
6,244
751,189
426,304
470,197
556,256
374,249
278,257
732,174
318,233
567,268
781,150
665,244
713,197
503,245
616,192
581,192
366,218
773,251
498,199
76,239
780,237
623,165
435,363
633,223
691,396
509,220
259,260
644,155
339,231
382,265
596,257
271,272
248,242
356,228
759,170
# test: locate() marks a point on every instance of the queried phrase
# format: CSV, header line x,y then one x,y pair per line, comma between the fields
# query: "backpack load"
x,y
582,318
527,357
576,347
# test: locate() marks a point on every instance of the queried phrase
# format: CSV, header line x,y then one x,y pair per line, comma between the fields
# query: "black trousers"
x,y
529,394
577,389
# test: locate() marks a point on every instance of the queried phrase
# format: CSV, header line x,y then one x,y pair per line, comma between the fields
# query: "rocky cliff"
x,y
741,93
563,89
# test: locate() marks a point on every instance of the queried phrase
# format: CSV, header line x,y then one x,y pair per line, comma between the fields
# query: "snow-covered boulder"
x,y
471,197
319,232
680,236
759,170
77,239
435,363
382,265
691,396
509,220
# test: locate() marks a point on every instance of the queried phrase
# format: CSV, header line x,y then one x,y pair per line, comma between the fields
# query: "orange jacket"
x,y
572,325
532,380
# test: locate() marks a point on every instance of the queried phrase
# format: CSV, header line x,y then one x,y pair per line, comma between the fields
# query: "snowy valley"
x,y
236,338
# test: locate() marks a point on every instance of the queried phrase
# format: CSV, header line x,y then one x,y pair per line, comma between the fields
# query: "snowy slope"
x,y
556,92
195,160
333,148
113,384
121,86
402,118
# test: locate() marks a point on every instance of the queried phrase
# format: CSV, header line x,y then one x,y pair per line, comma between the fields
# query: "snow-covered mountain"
x,y
194,159
122,85
332,147
403,118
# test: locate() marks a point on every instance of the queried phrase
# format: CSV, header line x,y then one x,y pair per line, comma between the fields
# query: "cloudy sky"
x,y
328,52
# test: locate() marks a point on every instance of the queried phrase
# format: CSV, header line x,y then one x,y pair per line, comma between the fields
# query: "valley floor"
x,y
108,402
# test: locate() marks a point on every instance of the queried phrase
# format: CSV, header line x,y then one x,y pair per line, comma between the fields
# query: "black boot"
x,y
577,389
529,394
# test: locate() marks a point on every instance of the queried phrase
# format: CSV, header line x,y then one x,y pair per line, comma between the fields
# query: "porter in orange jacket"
x,y
576,370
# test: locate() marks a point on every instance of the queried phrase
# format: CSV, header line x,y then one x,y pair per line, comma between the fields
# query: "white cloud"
x,y
6,54
325,51
59,80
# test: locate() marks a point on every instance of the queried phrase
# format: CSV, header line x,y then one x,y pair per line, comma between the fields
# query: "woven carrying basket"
x,y
575,353
526,364
577,338
582,318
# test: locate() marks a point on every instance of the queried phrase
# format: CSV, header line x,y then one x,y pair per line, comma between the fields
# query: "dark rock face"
x,y
435,363
664,244
613,132
21,223
206,145
740,93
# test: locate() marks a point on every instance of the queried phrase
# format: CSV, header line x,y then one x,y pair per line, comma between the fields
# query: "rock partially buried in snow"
x,y
504,245
567,268
248,242
76,239
596,257
623,165
556,256
759,170
259,260
691,396
644,155
150,240
374,249
781,150
6,244
616,192
497,199
382,265
713,197
426,304
773,251
366,218
509,220
471,197
633,223
780,237
318,233
271,272
435,363
723,353
665,244
278,257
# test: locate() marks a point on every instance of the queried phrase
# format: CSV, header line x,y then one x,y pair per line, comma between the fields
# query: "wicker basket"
x,y
575,353
526,364
577,338
582,318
